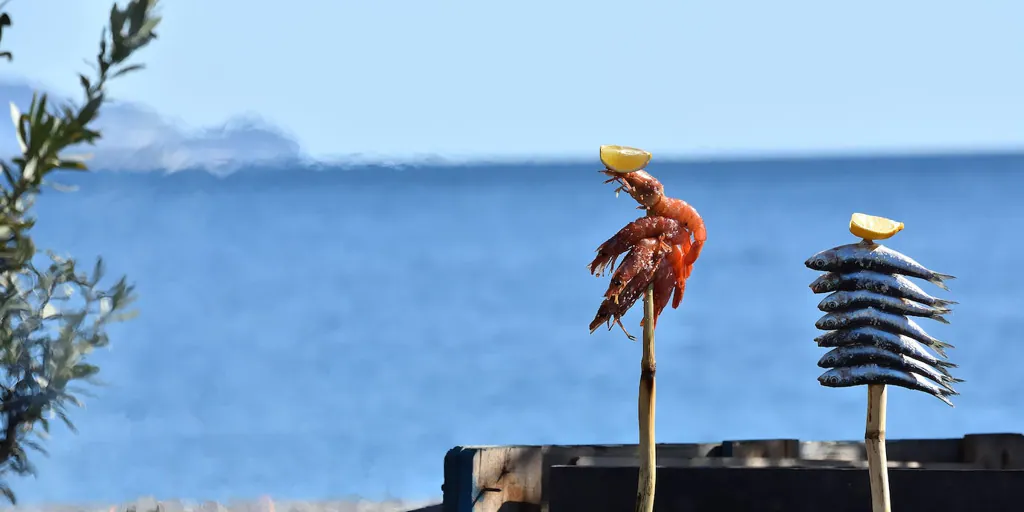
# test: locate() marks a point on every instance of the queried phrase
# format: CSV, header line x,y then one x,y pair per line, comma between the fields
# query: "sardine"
x,y
860,298
853,355
847,376
887,340
886,284
898,324
872,256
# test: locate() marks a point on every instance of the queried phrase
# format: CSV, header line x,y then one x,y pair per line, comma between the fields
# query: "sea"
x,y
331,333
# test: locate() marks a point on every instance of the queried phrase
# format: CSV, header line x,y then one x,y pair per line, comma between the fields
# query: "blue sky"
x,y
539,78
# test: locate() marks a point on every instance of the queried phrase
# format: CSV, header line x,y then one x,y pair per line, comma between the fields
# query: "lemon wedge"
x,y
624,159
870,227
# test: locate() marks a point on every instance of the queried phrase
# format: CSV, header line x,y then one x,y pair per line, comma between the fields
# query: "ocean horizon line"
x,y
429,162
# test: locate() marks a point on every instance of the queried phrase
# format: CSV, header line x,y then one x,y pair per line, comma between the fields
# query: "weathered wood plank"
x,y
917,450
512,478
761,462
762,448
994,451
515,478
832,450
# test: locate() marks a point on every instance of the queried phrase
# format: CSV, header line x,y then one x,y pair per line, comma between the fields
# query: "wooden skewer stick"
x,y
874,442
648,455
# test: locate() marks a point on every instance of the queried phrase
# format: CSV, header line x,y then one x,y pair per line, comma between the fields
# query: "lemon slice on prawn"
x,y
870,227
624,159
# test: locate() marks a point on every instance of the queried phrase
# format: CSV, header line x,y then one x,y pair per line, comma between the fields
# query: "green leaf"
x,y
84,371
9,174
72,165
19,128
40,110
148,28
97,272
35,446
67,422
137,13
8,493
128,69
101,60
117,18
90,109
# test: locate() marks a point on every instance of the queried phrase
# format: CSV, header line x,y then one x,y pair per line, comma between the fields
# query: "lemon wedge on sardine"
x,y
870,227
624,159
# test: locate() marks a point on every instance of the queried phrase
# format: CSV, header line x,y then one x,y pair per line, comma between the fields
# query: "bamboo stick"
x,y
874,442
648,455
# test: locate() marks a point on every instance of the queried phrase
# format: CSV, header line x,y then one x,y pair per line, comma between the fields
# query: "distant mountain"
x,y
136,138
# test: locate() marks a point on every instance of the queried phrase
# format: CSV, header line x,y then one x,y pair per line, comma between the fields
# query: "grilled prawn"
x,y
661,250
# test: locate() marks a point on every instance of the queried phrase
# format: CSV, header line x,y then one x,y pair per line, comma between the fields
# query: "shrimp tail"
x,y
694,252
677,297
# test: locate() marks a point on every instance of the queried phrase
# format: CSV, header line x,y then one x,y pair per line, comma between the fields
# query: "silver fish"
x,y
847,376
884,339
886,284
859,298
853,355
872,256
898,324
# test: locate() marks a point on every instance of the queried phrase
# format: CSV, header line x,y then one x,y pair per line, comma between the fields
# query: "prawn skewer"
x,y
662,247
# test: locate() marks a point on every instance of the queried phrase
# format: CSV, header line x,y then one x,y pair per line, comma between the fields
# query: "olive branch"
x,y
52,315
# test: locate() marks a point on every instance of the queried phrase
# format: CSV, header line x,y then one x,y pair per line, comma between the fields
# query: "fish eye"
x,y
833,379
831,304
819,263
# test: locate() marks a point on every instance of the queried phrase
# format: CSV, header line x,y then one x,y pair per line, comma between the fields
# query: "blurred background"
x,y
359,230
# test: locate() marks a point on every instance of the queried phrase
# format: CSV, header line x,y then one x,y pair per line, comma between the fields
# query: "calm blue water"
x,y
331,335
